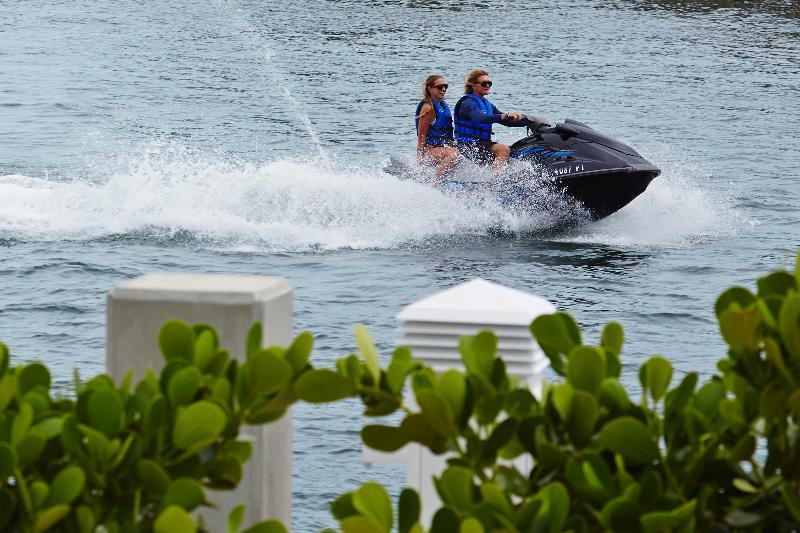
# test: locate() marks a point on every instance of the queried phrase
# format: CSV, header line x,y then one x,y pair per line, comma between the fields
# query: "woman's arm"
x,y
470,110
426,118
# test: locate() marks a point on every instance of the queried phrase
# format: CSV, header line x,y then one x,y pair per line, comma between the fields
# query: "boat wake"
x,y
170,192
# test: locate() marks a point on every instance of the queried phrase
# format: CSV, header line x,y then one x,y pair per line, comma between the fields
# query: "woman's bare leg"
x,y
501,154
444,157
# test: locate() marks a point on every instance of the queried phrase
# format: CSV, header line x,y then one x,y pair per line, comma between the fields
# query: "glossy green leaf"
x,y
21,423
8,460
436,412
105,411
66,486
255,337
321,386
478,353
631,439
678,398
470,525
383,438
185,493
8,387
775,356
48,428
583,414
493,494
613,396
408,510
457,487
555,506
268,373
299,353
205,348
790,325
342,507
772,404
267,526
372,501
360,524
735,295
612,338
5,358
198,425
445,521
48,518
620,514
369,352
740,327
659,521
453,386
402,362
557,335
38,492
176,340
152,476
707,398
657,376
85,518
33,375
235,518
586,368
777,283
173,519
561,396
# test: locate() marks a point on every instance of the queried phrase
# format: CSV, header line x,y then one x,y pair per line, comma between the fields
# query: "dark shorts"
x,y
480,152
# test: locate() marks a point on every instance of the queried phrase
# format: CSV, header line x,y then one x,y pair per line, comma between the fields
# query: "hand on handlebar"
x,y
514,115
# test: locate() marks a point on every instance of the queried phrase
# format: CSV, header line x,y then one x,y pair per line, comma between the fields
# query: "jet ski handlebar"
x,y
535,124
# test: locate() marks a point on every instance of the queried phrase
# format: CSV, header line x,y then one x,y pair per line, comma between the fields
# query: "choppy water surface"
x,y
248,137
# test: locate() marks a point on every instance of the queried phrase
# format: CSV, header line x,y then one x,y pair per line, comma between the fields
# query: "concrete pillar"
x,y
136,310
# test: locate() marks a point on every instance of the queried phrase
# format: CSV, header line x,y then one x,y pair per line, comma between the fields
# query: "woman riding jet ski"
x,y
474,116
585,167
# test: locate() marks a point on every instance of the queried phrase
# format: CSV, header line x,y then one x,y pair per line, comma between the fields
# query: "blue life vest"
x,y
468,131
440,131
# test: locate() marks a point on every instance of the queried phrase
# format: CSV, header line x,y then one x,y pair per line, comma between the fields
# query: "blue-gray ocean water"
x,y
243,136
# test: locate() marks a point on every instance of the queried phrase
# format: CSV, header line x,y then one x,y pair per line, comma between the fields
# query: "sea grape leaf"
x,y
369,352
176,340
372,501
630,438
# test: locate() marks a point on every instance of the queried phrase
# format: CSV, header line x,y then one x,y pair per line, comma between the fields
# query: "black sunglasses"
x,y
442,87
486,83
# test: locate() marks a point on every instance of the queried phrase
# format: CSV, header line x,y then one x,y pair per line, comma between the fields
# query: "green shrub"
x,y
720,455
139,457
714,456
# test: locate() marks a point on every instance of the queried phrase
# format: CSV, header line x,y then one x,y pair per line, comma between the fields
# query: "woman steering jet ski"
x,y
474,116
435,127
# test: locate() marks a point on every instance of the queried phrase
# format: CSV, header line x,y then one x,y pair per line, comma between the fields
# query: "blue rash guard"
x,y
473,119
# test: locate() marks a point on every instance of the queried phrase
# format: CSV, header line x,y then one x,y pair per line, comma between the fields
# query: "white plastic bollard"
x,y
432,326
136,310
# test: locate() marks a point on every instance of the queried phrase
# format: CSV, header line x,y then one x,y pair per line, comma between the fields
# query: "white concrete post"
x,y
136,310
432,326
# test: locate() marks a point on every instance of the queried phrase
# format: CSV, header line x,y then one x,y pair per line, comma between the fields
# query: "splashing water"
x,y
682,206
298,205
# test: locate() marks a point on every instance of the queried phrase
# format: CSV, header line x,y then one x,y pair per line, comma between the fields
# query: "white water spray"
x,y
255,35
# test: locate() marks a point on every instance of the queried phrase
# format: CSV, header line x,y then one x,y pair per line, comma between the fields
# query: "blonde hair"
x,y
426,89
472,79
427,84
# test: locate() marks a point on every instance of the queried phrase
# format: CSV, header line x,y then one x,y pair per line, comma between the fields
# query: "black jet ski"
x,y
598,173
